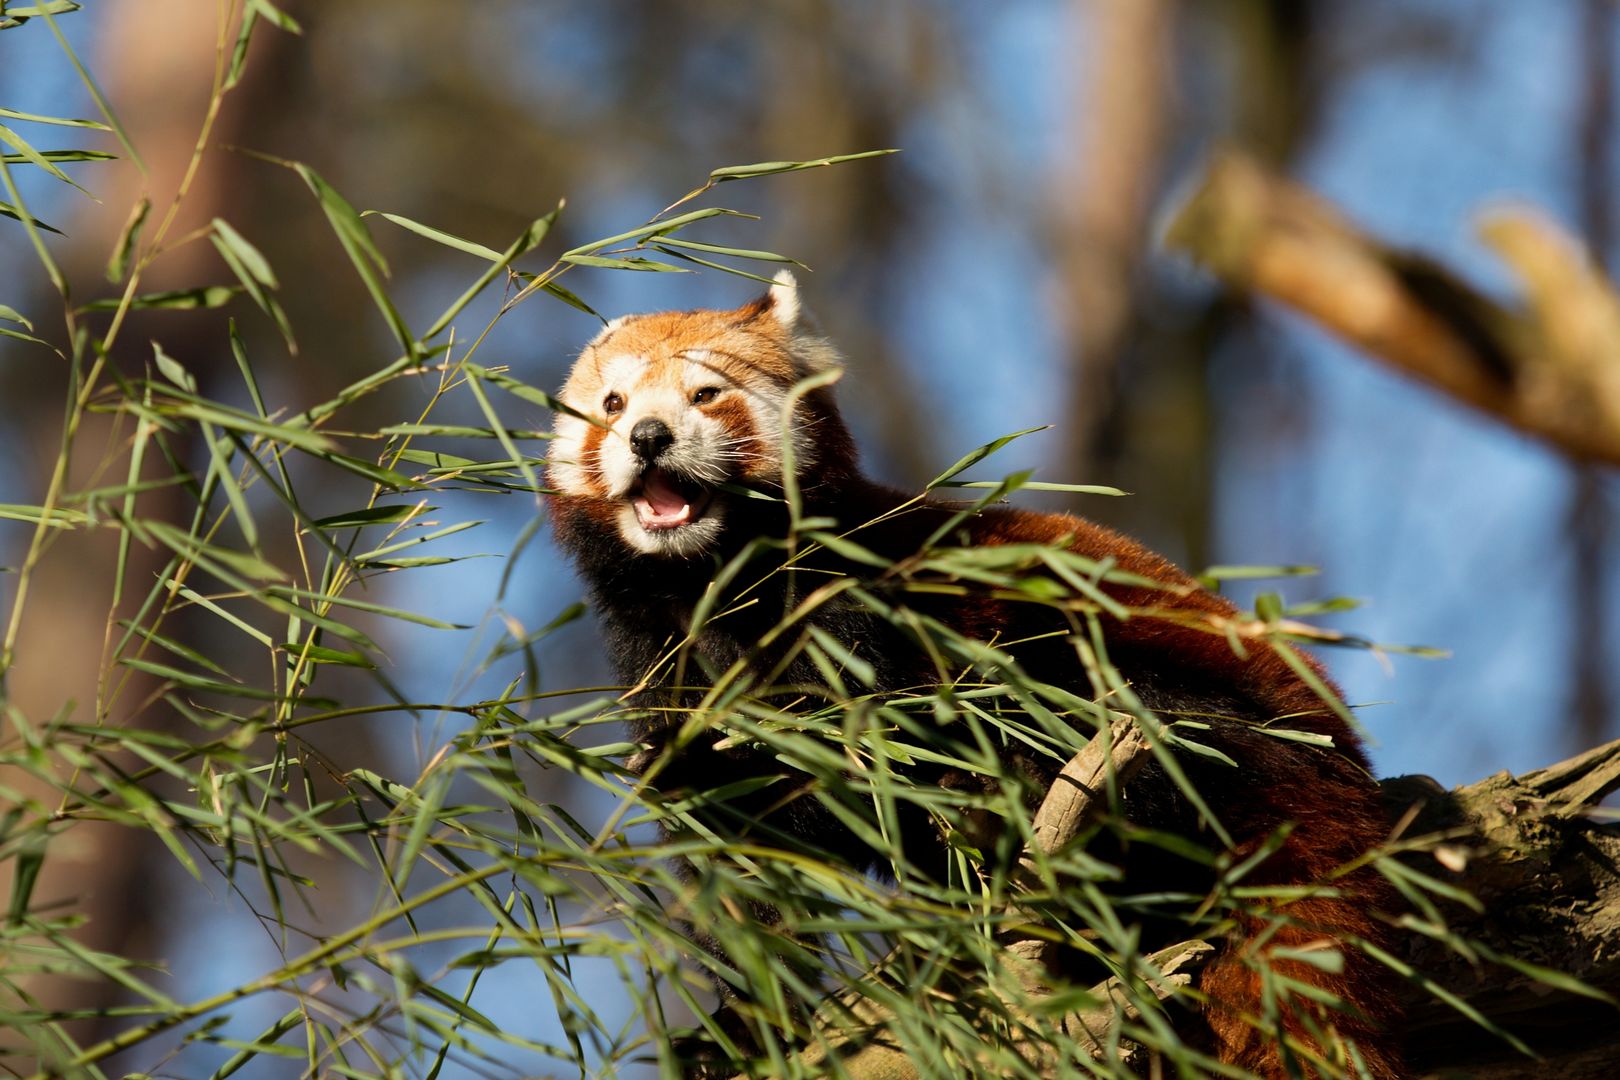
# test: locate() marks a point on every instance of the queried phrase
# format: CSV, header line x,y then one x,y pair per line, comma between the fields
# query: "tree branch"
x,y
1549,366
1541,869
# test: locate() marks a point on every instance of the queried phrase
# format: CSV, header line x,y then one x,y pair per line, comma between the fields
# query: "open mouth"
x,y
667,501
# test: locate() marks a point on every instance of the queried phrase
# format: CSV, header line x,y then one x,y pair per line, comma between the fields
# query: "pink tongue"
x,y
660,503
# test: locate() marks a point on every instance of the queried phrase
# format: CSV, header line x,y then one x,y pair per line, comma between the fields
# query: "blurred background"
x,y
1002,272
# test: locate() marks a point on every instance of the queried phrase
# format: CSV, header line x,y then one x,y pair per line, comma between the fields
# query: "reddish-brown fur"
x,y
1327,797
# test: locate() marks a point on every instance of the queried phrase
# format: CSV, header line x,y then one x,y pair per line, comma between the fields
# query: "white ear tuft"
x,y
784,296
607,328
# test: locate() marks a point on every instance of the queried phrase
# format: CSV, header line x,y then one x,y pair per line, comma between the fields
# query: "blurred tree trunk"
x,y
155,62
1101,198
1141,413
1591,510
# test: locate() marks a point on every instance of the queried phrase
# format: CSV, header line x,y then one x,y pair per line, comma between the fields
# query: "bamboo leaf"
x,y
172,369
33,157
254,272
772,168
656,228
969,460
628,262
374,515
526,242
208,296
60,121
365,605
20,336
739,253
569,298
438,236
10,211
243,254
128,236
362,251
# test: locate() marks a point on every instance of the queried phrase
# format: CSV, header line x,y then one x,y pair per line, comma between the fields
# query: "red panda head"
x,y
680,403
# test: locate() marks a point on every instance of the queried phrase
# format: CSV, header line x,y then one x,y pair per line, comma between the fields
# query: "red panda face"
x,y
680,403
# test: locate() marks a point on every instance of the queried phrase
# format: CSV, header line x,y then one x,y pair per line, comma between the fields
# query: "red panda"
x,y
670,415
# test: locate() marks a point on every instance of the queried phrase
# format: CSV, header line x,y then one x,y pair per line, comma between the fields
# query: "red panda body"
x,y
683,402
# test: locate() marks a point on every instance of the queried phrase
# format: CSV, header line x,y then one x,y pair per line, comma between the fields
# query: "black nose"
x,y
649,438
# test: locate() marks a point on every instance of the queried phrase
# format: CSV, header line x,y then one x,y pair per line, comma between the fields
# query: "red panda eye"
x,y
612,403
705,395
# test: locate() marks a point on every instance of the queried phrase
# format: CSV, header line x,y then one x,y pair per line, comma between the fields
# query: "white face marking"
x,y
713,441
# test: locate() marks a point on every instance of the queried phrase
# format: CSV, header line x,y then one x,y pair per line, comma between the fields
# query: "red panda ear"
x,y
782,301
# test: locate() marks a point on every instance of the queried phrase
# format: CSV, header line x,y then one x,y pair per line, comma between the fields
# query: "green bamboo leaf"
x,y
629,262
377,474
1289,734
208,296
33,157
63,155
569,298
118,261
239,353
374,515
239,52
34,11
275,16
438,459
972,459
526,242
170,645
458,431
362,251
475,384
233,243
220,561
320,654
400,545
100,99
740,253
172,369
192,596
1547,976
848,549
711,264
12,315
253,270
438,236
771,168
59,518
288,433
855,665
1039,485
524,392
20,336
290,592
251,14
220,451
60,121
28,859
658,228
266,1042
10,211
1244,573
